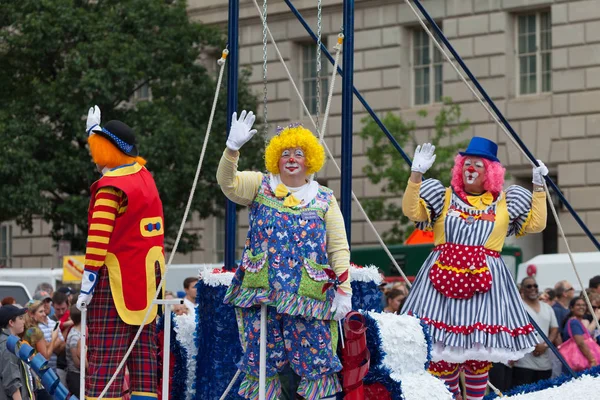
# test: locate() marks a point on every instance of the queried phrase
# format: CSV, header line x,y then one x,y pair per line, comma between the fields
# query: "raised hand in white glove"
x,y
424,158
93,119
241,130
539,173
88,284
342,305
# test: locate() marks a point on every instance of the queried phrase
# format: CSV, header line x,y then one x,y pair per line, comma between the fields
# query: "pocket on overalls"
x,y
313,279
256,270
460,272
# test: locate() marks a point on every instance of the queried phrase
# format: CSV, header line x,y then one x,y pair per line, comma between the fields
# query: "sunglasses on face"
x,y
531,285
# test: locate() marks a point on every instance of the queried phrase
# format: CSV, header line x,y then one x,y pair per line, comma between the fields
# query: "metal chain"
x,y
264,12
319,19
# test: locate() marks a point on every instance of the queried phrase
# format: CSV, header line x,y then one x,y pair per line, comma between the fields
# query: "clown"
x,y
464,291
123,263
310,288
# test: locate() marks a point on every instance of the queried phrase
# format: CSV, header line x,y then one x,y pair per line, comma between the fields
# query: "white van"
x,y
16,290
31,277
551,268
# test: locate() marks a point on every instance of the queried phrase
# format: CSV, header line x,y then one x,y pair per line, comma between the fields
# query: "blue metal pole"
x,y
551,346
457,57
356,92
347,99
232,100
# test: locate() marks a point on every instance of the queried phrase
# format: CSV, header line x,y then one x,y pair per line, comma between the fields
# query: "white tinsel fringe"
x,y
586,387
212,279
369,273
185,333
405,347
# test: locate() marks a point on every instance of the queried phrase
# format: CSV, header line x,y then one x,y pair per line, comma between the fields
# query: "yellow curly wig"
x,y
106,154
295,137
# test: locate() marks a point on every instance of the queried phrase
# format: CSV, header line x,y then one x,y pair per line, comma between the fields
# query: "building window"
x,y
5,245
309,77
220,239
534,48
427,69
142,93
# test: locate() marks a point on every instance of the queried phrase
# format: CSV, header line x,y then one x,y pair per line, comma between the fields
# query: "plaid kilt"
x,y
108,340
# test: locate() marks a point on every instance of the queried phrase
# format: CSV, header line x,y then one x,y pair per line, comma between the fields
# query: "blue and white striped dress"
x,y
491,325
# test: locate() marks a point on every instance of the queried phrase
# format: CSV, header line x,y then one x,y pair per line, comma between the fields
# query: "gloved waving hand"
x,y
241,130
424,158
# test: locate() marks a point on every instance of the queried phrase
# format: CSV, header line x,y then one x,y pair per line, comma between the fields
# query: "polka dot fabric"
x,y
461,271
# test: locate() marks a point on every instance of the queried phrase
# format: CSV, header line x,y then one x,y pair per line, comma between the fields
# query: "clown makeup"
x,y
473,175
292,162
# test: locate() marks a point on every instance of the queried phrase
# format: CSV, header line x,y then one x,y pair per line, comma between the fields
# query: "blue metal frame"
x,y
358,95
441,35
232,100
347,98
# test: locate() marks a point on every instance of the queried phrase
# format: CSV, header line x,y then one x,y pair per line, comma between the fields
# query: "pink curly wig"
x,y
494,176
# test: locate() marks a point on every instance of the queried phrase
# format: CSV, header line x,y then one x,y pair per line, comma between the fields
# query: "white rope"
x,y
379,239
504,129
237,374
221,62
495,389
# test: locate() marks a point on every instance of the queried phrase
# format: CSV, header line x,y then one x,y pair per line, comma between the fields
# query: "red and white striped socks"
x,y
475,385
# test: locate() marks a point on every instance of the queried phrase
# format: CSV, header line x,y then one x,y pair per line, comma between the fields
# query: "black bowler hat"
x,y
121,135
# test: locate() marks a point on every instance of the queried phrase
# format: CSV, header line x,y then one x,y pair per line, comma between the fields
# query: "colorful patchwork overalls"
x,y
283,267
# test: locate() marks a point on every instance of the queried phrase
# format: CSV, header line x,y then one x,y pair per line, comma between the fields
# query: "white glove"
x,y
424,158
342,305
93,119
88,284
539,173
241,130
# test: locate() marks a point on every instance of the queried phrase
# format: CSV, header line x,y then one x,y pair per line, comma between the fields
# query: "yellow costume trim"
x,y
103,215
123,171
429,228
98,239
524,226
282,192
443,373
106,202
101,227
481,202
461,270
482,370
146,394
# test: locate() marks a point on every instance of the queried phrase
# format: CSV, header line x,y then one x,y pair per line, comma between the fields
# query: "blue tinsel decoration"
x,y
378,372
425,328
366,296
218,342
178,386
544,384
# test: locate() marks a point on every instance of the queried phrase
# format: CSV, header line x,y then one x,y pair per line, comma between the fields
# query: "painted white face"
x,y
292,162
473,171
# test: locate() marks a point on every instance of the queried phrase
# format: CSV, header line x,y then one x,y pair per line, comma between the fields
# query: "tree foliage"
x,y
60,57
388,168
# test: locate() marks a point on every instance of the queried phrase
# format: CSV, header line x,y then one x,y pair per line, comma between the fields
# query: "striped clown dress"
x,y
464,291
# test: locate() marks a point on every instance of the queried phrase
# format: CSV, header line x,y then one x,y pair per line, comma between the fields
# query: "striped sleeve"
x,y
431,196
338,250
239,187
518,203
107,204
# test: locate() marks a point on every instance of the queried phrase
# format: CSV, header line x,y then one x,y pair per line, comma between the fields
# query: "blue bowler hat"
x,y
482,147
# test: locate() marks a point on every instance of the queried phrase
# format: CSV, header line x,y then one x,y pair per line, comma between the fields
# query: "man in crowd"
x,y
595,284
564,293
48,326
60,301
537,365
189,285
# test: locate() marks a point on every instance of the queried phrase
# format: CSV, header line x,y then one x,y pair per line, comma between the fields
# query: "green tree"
x,y
60,57
387,167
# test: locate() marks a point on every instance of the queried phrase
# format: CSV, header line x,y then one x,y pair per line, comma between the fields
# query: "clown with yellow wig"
x,y
296,260
124,261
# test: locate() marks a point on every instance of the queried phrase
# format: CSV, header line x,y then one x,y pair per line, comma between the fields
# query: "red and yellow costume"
x,y
125,260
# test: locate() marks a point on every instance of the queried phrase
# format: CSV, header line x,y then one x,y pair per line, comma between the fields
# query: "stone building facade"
x,y
538,59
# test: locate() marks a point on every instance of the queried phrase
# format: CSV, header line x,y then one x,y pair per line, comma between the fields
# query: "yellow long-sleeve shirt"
x,y
241,187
